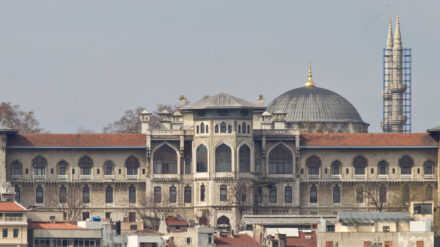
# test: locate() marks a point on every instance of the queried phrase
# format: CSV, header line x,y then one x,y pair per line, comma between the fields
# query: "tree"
x,y
130,122
13,117
72,205
151,212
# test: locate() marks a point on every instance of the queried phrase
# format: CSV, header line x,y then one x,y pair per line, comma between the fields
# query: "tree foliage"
x,y
13,117
130,123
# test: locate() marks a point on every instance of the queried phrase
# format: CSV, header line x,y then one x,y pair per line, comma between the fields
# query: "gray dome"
x,y
314,104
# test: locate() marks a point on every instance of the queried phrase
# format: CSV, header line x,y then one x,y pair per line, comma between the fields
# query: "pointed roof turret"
x,y
390,35
397,37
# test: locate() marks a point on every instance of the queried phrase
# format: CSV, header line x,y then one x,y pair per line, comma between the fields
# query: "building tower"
x,y
396,83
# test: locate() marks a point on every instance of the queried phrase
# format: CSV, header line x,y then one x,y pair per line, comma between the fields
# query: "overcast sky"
x,y
83,63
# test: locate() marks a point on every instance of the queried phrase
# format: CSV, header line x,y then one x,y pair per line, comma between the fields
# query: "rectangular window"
x,y
273,195
5,233
330,228
108,215
15,233
132,217
386,229
85,215
187,166
423,208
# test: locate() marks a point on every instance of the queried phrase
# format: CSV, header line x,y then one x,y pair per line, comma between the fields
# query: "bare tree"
x,y
130,122
151,213
73,204
13,117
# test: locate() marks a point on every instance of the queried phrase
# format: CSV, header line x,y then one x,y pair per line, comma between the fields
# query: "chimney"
x,y
145,121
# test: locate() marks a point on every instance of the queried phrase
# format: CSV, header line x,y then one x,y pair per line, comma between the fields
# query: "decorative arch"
x,y
428,167
360,163
86,164
223,222
202,158
313,164
108,167
62,167
166,159
223,158
406,163
132,165
223,127
382,167
244,158
280,159
336,167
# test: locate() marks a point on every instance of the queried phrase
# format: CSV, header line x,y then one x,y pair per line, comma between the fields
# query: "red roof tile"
x,y
301,241
367,139
55,226
77,140
237,240
173,221
11,207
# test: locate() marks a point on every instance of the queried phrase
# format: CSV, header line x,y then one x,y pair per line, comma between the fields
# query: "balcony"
x,y
62,177
12,218
39,176
383,176
109,177
428,176
336,176
85,177
132,177
16,176
406,176
360,176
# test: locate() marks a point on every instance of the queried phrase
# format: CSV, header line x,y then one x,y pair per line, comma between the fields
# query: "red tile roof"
x,y
367,139
173,221
55,226
11,207
237,240
77,140
301,241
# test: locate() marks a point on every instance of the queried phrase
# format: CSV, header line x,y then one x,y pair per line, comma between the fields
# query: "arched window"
x,y
273,194
187,194
86,164
202,128
429,190
108,168
173,194
360,194
223,127
16,168
86,194
39,194
229,128
313,164
132,165
336,167
202,193
428,168
288,194
383,167
216,128
280,160
336,194
243,128
109,194
223,222
223,158
406,163
313,194
245,158
359,163
223,192
62,168
382,193
239,129
202,159
165,160
62,194
157,194
39,164
17,196
132,194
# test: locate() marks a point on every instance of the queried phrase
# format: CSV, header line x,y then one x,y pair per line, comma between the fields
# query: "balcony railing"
x,y
428,176
7,190
406,176
85,177
16,176
109,177
360,176
62,177
132,176
336,176
383,176
39,176
12,218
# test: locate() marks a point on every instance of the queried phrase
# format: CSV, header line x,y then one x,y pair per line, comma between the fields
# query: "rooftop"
x,y
11,207
304,240
221,101
55,226
237,240
174,221
371,217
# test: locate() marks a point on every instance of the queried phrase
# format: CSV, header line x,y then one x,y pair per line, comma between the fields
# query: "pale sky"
x,y
83,63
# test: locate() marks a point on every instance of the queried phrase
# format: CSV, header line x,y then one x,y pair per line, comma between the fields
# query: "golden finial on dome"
x,y
310,82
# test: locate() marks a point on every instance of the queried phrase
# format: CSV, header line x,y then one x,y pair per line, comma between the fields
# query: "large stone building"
x,y
307,152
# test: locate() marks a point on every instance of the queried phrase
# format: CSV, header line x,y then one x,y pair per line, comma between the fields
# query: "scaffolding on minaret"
x,y
388,68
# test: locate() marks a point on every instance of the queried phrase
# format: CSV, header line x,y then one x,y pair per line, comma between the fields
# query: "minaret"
x,y
388,76
397,87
